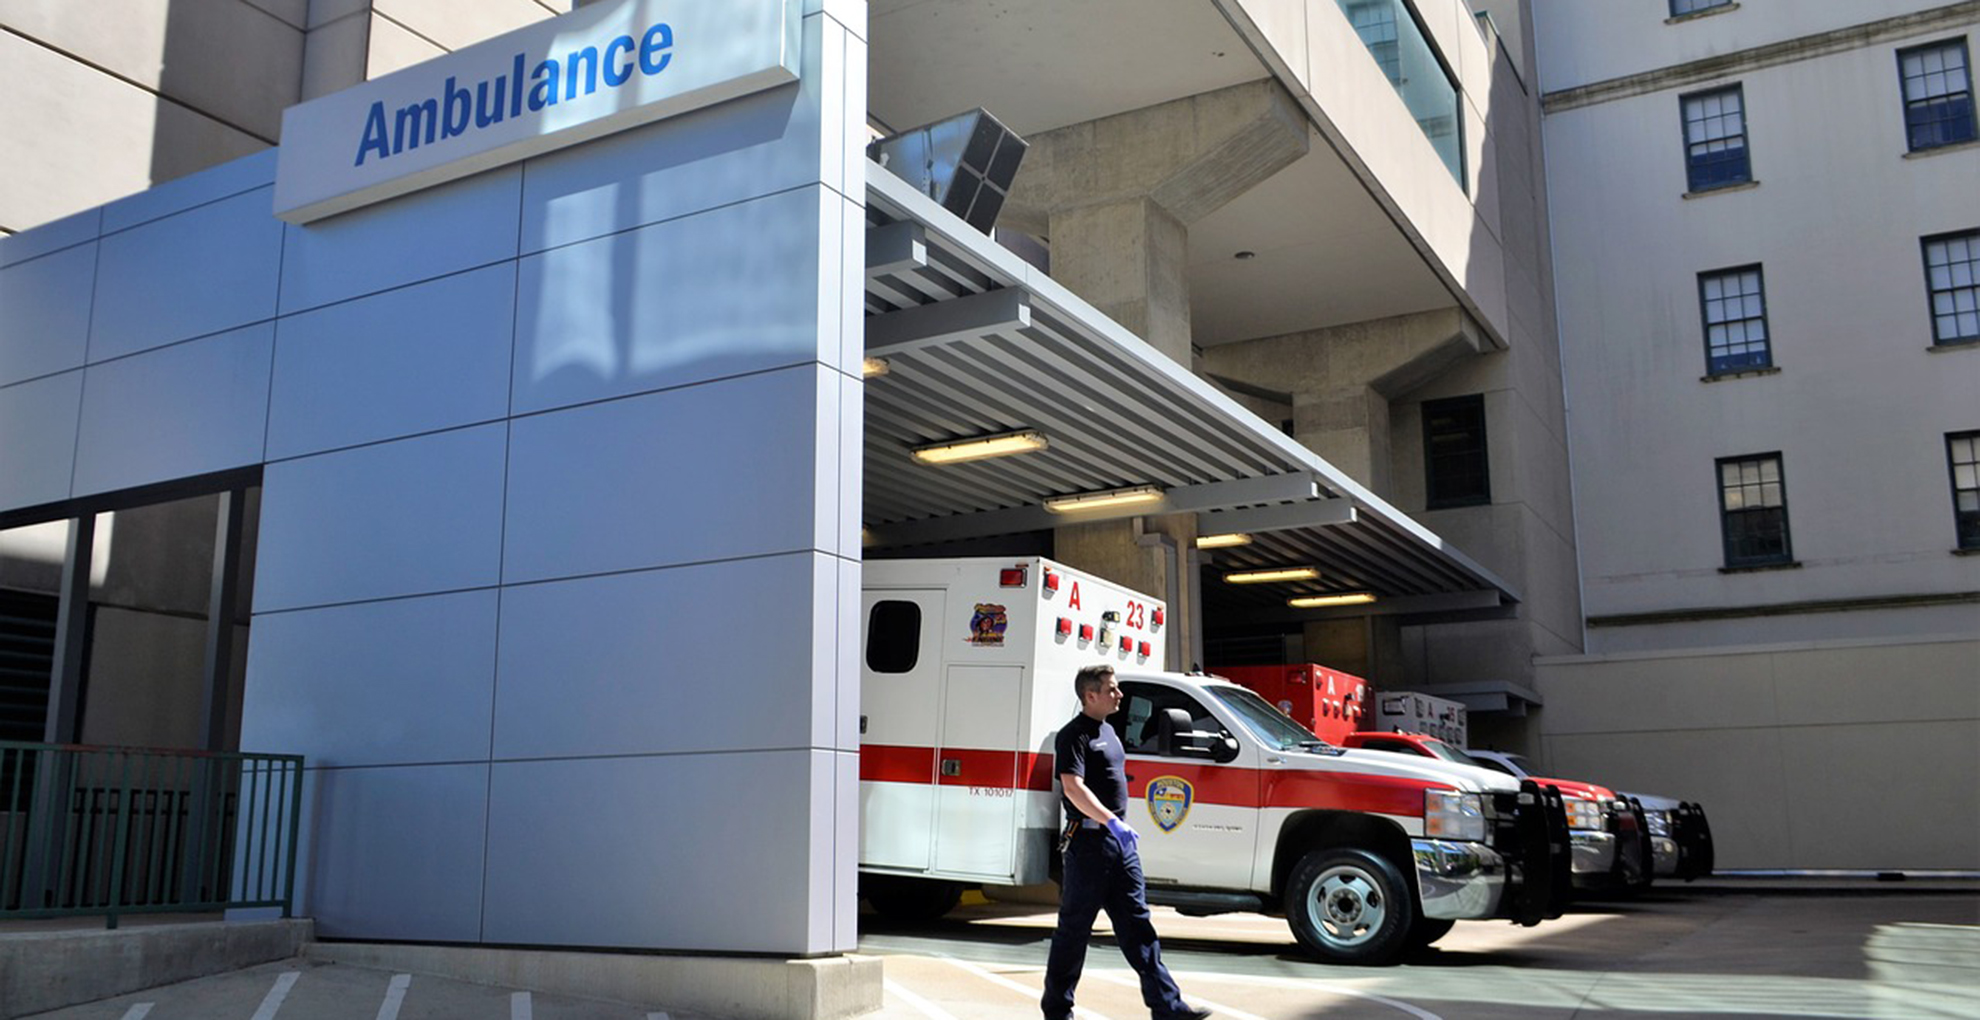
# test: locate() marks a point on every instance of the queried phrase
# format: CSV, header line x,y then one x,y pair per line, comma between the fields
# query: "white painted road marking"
x,y
137,1011
658,1016
1325,986
283,982
1218,1008
519,1008
999,979
395,996
928,1009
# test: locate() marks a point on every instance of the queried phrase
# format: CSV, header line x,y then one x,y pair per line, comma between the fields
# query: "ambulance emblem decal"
x,y
986,627
1169,798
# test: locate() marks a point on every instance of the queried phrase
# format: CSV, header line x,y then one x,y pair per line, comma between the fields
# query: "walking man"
x,y
1102,864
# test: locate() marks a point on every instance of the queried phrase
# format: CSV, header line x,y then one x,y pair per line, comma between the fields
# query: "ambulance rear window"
x,y
893,636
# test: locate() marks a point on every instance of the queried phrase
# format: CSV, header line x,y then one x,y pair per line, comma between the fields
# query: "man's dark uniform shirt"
x,y
1091,750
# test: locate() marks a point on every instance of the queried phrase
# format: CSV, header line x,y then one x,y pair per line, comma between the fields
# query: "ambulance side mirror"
x,y
1170,727
1224,750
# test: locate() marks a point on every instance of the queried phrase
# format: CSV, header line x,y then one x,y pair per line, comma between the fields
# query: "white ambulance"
x,y
967,674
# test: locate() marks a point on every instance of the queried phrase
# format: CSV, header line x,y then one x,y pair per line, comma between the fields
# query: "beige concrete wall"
x,y
121,95
1841,755
1325,64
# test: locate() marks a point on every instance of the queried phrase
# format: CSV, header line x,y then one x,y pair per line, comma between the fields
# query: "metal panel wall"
x,y
559,511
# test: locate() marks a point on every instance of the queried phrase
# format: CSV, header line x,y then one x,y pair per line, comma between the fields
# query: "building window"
x,y
1952,275
1396,39
1715,139
1680,8
1963,460
1735,309
1938,95
1753,511
1456,472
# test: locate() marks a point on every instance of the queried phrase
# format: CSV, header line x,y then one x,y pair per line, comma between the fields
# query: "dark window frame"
x,y
1441,489
1971,290
1954,122
1729,523
1701,172
1727,364
1966,522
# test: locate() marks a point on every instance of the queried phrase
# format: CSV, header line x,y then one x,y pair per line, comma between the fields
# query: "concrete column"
x,y
1128,258
1115,198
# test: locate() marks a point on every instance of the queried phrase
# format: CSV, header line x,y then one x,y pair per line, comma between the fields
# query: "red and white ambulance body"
x,y
967,675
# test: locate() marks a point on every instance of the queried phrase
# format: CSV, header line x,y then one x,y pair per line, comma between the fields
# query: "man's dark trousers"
x,y
1099,876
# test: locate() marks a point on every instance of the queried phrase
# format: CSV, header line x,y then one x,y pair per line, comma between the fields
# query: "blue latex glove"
x,y
1124,834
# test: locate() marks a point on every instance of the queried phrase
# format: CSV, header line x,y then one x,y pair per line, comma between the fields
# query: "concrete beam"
x,y
896,247
1315,514
941,322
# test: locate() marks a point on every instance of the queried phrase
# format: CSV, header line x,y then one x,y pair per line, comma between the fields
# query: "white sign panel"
x,y
600,69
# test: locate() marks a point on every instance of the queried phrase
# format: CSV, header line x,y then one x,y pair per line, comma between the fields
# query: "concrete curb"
x,y
40,971
738,987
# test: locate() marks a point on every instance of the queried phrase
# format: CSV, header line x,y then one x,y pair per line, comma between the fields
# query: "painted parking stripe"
x,y
519,1006
273,1001
395,996
999,979
1325,986
928,1009
138,1011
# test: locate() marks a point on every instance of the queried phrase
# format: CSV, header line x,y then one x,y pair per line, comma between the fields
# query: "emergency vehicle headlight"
x,y
1448,814
1583,814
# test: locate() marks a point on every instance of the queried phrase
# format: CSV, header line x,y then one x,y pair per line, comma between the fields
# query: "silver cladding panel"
x,y
460,225
47,330
211,268
407,681
674,671
417,359
411,517
47,409
396,853
182,410
627,313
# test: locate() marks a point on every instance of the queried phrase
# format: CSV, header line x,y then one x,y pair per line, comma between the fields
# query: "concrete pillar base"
x,y
741,987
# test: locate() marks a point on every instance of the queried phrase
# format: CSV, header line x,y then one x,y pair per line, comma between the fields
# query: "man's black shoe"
x,y
1194,1013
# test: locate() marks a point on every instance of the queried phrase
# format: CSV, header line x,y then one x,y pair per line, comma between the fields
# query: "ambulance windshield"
x,y
1269,724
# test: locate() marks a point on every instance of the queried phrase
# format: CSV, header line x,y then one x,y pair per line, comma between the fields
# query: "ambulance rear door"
x,y
901,672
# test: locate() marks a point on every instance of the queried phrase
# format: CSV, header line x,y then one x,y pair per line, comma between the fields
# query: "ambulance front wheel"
x,y
1349,906
910,899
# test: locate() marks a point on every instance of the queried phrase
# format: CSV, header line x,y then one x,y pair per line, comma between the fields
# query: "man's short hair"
x,y
1090,680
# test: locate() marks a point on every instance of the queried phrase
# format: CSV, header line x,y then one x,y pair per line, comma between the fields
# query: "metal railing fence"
x,y
112,830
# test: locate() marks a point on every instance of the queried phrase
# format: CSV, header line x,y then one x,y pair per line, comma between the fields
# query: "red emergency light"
x,y
1127,644
1065,626
1051,581
1158,616
1086,632
1011,577
1144,649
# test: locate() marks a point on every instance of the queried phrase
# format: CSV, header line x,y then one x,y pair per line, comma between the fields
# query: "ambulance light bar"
x,y
1010,577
